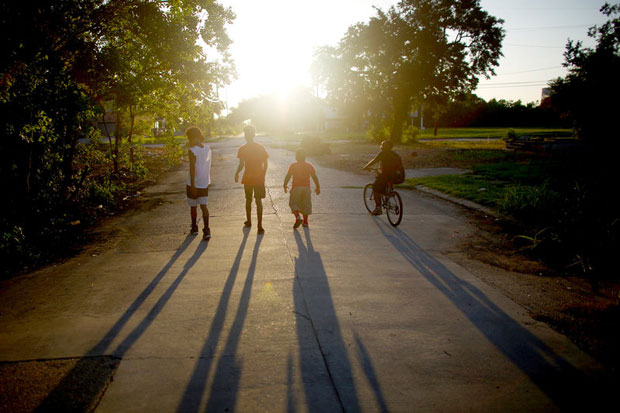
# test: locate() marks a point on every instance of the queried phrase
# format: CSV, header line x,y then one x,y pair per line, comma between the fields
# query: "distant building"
x,y
332,121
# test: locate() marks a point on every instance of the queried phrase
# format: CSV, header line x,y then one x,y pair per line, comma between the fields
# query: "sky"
x,y
273,42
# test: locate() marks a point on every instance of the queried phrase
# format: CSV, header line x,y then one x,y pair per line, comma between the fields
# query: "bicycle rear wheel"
x,y
394,208
369,198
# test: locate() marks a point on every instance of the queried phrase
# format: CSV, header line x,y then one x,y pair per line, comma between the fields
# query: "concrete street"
x,y
348,314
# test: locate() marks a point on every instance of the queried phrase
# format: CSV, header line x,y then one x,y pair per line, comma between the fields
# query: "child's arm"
x,y
316,182
371,162
286,179
192,168
239,168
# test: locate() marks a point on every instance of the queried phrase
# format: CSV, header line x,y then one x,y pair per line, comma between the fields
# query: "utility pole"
x,y
421,117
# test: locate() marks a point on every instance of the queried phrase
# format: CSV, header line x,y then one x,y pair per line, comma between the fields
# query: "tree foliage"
x,y
429,51
64,62
592,75
472,111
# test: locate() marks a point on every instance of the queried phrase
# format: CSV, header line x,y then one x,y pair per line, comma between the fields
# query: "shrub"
x,y
379,133
410,134
510,135
174,151
535,204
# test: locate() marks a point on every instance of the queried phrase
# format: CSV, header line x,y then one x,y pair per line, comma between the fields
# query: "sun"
x,y
272,58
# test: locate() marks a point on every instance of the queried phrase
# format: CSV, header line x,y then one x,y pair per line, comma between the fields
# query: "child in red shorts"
x,y
300,199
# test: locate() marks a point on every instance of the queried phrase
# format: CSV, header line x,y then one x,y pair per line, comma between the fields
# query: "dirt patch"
x,y
75,384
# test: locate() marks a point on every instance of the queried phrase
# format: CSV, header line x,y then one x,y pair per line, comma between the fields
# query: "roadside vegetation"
x,y
103,72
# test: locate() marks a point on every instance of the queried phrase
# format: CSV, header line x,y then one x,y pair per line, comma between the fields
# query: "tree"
x,y
65,60
417,51
592,74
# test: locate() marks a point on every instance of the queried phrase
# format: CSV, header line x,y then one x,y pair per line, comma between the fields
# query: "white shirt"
x,y
202,176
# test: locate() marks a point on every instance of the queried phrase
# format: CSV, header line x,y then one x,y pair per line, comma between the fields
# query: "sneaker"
x,y
377,211
206,233
194,230
247,224
261,231
297,223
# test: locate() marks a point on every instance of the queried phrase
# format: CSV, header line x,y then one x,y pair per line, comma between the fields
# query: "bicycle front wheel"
x,y
394,208
369,198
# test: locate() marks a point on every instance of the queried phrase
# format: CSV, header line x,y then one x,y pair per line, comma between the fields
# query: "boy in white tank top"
x,y
198,179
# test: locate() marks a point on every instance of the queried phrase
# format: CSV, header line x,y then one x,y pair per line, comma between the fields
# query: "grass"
x,y
480,144
490,133
442,133
469,186
492,184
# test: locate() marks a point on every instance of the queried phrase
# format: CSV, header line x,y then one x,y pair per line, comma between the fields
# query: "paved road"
x,y
349,314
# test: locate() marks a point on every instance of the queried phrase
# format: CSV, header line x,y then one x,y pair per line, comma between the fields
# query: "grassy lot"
x,y
490,133
443,133
446,133
506,185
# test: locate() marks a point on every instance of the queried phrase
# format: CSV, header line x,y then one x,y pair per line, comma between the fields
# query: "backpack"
x,y
395,168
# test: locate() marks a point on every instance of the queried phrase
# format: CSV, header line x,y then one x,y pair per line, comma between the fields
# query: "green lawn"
x,y
499,185
486,133
442,133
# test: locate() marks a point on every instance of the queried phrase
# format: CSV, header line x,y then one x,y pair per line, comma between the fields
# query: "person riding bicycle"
x,y
391,167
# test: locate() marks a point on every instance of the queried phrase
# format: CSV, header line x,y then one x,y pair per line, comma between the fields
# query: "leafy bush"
x,y
410,134
174,150
379,133
535,204
510,135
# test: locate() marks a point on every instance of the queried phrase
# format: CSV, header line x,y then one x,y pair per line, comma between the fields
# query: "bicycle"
x,y
390,202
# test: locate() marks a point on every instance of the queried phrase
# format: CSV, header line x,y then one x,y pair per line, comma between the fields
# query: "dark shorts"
x,y
200,192
257,190
380,183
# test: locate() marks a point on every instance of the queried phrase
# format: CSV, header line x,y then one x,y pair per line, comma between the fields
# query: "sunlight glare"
x,y
278,55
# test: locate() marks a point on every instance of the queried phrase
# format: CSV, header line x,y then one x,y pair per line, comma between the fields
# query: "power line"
x,y
506,85
549,8
533,45
531,70
516,83
514,29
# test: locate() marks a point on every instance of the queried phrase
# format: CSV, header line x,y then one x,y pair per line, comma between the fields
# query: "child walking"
x,y
300,199
198,179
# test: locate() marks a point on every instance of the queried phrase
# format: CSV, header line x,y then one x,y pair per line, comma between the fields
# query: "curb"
x,y
459,201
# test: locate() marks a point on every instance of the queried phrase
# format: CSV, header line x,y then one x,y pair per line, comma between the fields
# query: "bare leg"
x,y
259,214
193,212
297,219
248,212
205,215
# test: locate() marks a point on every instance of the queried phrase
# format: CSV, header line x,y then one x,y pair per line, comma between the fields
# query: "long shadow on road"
x,y
568,387
226,376
310,272
57,399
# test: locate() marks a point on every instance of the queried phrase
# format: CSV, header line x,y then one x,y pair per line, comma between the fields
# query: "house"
x,y
332,121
